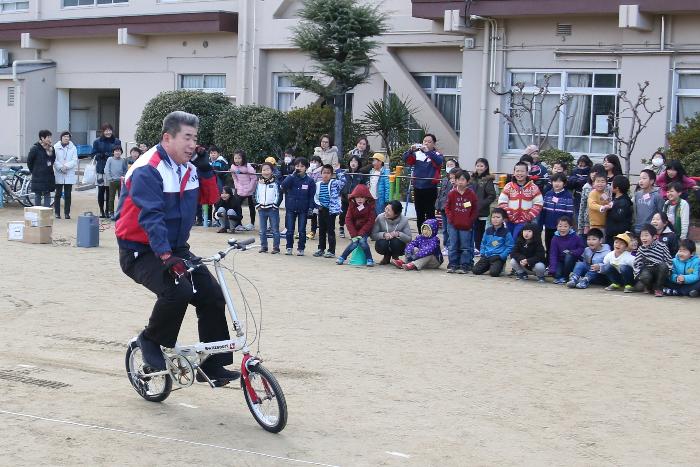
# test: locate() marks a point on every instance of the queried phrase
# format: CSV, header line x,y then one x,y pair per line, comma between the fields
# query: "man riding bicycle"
x,y
156,212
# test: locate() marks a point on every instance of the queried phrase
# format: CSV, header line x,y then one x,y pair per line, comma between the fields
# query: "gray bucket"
x,y
88,230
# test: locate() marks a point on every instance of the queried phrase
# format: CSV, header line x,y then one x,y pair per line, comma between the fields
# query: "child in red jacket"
x,y
461,210
359,222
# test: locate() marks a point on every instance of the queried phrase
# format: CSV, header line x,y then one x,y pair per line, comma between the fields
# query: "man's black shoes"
x,y
220,376
152,355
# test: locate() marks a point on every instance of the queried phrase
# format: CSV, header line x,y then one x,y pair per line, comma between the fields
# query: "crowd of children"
x,y
587,227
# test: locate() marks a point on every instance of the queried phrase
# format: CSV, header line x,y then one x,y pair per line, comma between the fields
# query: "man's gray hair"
x,y
173,122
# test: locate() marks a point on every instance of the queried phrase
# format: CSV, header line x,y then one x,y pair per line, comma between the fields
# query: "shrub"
x,y
684,145
207,106
552,155
259,131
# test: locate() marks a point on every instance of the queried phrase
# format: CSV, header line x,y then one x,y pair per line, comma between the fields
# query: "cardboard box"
x,y
15,231
38,216
37,234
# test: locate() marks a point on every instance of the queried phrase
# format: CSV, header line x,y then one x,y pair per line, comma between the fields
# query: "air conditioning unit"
x,y
4,57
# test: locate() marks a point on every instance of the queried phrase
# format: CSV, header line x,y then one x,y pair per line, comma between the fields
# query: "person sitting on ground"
x,y
228,211
647,199
652,263
685,276
462,210
268,197
359,222
620,210
424,251
327,202
557,202
677,209
528,255
495,246
567,248
665,231
391,232
521,200
617,265
589,269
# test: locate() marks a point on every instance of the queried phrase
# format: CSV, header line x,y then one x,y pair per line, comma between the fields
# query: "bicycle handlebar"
x,y
8,160
234,244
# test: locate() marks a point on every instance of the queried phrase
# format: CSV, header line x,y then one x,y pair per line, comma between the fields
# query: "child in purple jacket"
x,y
424,251
565,250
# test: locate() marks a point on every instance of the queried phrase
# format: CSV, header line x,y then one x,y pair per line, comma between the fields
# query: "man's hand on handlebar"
x,y
175,266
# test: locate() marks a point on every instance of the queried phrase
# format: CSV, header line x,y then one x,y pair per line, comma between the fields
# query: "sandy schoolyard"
x,y
379,367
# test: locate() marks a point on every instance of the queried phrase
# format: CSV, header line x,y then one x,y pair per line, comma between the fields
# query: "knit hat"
x,y
531,149
624,237
379,156
270,160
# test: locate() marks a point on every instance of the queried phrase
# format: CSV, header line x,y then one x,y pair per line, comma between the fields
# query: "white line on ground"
x,y
162,438
398,454
187,405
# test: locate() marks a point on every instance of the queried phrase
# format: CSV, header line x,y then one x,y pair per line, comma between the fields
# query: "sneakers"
x,y
628,289
410,267
152,355
288,252
582,284
694,293
249,227
540,280
222,230
573,280
445,251
521,276
263,250
318,253
451,269
329,254
300,252
340,260
462,271
239,228
370,263
658,293
613,287
275,251
341,232
397,262
559,281
385,260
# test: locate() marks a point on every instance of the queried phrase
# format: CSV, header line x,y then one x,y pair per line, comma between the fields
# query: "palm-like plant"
x,y
390,119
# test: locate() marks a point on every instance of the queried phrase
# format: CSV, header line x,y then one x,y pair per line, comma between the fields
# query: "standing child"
x,y
583,224
446,185
578,178
589,269
652,263
219,164
685,276
461,209
228,211
287,166
359,222
617,265
495,246
424,251
620,210
482,185
245,181
567,248
352,178
115,170
299,192
521,200
134,154
677,209
647,199
665,232
327,201
528,255
598,202
379,182
268,197
314,171
557,202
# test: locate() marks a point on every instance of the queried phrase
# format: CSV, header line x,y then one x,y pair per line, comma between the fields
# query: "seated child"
x,y
652,263
566,249
685,277
557,202
495,246
423,252
588,270
359,222
617,265
228,211
677,209
665,232
528,255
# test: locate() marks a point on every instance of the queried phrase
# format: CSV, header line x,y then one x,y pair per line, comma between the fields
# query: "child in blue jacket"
x,y
299,191
496,245
379,183
685,277
327,201
557,202
589,269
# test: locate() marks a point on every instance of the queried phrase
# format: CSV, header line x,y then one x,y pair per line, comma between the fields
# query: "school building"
x,y
77,63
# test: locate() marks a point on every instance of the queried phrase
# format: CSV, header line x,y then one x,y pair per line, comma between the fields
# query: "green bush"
x,y
207,106
552,155
259,131
684,145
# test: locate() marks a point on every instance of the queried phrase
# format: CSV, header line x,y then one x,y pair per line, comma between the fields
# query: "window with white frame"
x,y
445,91
687,95
10,6
206,83
582,126
285,92
71,3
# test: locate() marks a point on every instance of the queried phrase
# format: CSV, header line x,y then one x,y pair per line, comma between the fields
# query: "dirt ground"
x,y
379,367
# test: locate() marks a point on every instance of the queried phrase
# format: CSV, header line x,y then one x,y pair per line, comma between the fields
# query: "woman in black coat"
x,y
40,162
102,150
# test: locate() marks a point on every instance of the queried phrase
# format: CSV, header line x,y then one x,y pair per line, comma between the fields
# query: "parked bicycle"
x,y
15,183
262,392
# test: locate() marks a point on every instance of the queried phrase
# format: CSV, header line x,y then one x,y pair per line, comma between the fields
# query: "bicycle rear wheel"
x,y
22,196
151,388
265,399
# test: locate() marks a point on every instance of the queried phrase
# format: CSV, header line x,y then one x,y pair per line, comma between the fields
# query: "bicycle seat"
x,y
25,172
16,167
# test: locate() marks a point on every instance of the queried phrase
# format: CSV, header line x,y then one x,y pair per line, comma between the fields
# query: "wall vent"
x,y
11,96
564,29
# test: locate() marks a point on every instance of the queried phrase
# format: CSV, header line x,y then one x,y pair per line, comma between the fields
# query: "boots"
x,y
385,260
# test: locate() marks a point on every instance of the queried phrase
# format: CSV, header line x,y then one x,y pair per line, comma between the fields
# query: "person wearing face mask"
x,y
287,165
658,163
314,171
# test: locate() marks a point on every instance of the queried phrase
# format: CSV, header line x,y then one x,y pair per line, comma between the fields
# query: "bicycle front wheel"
x,y
151,388
265,399
21,194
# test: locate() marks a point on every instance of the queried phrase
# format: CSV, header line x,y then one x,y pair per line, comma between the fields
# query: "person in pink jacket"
x,y
675,172
245,182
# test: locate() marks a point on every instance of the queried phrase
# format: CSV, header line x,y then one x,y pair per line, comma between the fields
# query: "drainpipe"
x,y
484,91
662,41
18,96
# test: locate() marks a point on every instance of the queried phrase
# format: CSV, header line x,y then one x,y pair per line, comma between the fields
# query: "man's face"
x,y
429,143
181,146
